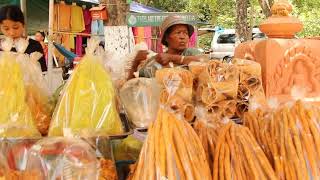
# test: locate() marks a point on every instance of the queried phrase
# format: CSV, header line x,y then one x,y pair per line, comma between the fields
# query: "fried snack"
x,y
242,107
176,82
181,107
40,109
22,175
197,68
172,150
108,170
289,136
179,76
233,151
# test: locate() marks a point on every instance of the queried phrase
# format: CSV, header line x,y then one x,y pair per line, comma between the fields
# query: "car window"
x,y
258,35
226,39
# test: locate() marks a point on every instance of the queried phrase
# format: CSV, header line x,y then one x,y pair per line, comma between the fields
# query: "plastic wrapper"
x,y
108,170
172,151
250,93
119,67
231,149
16,119
13,157
37,97
63,158
289,136
27,73
177,91
217,88
87,106
127,149
140,98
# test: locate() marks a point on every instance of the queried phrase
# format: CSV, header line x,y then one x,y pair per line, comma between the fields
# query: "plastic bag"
x,y
13,157
232,150
140,98
16,119
172,150
36,93
127,149
38,96
217,88
176,91
250,94
289,136
63,158
87,106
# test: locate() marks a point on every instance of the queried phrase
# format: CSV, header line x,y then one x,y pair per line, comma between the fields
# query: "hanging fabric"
x,y
87,20
193,40
79,46
62,16
77,19
97,27
148,36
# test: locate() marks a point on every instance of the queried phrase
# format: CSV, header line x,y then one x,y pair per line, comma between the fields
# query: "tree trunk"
x,y
242,26
266,6
117,11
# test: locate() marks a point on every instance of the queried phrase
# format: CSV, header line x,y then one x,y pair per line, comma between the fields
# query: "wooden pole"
x,y
50,44
23,7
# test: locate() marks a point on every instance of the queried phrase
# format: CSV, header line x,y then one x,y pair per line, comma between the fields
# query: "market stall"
x,y
209,120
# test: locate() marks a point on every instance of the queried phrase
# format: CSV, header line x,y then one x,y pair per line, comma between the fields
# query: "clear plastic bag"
x,y
176,91
231,150
13,157
139,97
289,136
38,96
87,106
217,87
63,158
16,119
172,151
251,93
127,149
32,88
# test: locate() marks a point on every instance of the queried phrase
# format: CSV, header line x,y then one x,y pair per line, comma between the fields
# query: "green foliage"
x,y
167,5
223,12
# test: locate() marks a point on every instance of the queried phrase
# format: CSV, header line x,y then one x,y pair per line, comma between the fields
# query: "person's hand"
x,y
163,58
141,56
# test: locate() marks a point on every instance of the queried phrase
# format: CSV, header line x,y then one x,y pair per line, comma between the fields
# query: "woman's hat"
x,y
170,21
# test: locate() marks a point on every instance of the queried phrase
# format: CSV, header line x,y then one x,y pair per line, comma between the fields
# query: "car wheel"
x,y
227,59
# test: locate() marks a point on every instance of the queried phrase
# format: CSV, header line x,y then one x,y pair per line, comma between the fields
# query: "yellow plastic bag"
x,y
87,106
15,116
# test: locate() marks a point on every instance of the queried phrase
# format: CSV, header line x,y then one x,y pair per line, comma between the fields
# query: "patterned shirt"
x,y
151,66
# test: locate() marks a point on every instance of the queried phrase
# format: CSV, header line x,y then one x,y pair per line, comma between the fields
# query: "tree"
x,y
266,6
167,5
243,32
117,10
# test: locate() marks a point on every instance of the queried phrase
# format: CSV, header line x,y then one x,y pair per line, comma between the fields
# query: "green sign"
x,y
155,19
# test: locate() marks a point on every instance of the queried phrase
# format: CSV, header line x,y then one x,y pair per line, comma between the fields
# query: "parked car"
x,y
223,42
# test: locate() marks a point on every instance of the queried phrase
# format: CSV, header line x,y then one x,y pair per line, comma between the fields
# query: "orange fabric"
x,y
55,17
62,17
66,41
140,35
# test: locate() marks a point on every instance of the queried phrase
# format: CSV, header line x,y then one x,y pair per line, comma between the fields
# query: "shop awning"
x,y
140,8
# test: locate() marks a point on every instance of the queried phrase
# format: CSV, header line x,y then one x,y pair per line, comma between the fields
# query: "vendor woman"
x,y
176,34
12,26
